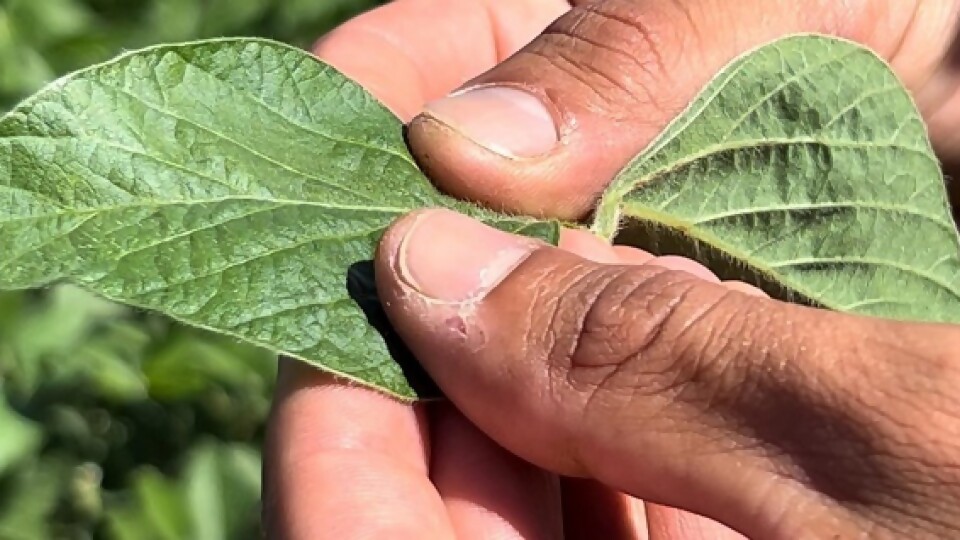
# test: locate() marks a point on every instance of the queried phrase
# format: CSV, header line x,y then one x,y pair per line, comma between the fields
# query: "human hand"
x,y
316,483
778,420
347,462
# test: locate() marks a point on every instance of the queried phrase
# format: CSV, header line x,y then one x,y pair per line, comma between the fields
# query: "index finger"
x,y
338,458
355,458
410,52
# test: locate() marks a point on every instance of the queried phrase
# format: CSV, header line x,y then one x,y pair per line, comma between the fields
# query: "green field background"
x,y
116,424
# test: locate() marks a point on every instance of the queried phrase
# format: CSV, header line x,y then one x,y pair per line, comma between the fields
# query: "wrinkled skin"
x,y
600,392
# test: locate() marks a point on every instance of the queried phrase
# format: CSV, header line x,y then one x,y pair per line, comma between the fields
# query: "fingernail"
x,y
508,121
452,258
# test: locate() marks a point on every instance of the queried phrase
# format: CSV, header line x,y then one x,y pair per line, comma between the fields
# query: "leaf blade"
x,y
804,167
230,184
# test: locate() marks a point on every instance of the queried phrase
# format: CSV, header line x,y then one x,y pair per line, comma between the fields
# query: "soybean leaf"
x,y
804,167
214,498
235,185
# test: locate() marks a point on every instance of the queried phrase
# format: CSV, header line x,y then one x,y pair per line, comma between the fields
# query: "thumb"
x,y
777,420
548,128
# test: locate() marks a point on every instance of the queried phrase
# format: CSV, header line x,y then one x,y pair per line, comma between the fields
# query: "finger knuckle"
x,y
621,330
621,49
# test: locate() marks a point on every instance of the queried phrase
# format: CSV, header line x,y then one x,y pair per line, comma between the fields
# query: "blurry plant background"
x,y
117,424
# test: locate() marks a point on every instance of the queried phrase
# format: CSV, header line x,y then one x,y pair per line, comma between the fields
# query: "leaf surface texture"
x,y
805,168
235,185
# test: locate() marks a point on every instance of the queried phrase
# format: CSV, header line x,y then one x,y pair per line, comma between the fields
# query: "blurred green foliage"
x,y
41,39
117,424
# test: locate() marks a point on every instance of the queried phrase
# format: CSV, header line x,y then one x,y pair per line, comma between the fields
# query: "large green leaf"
x,y
804,167
235,185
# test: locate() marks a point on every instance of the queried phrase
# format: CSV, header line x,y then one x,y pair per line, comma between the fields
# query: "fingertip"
x,y
314,411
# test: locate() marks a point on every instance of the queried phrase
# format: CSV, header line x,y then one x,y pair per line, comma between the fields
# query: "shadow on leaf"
x,y
362,287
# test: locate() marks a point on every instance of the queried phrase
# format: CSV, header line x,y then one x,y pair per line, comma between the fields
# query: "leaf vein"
x,y
866,261
803,72
46,242
250,97
265,255
855,205
240,145
749,144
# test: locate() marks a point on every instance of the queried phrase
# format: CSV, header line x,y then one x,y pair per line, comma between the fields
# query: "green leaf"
x,y
227,16
216,498
41,23
804,167
29,496
24,68
188,365
158,510
223,488
239,186
21,437
175,19
52,341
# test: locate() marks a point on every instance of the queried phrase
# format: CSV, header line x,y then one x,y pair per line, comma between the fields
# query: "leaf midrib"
x,y
867,261
147,204
242,146
871,205
747,144
699,234
299,243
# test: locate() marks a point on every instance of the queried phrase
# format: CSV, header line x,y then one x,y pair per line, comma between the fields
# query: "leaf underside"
x,y
804,168
235,185
242,185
